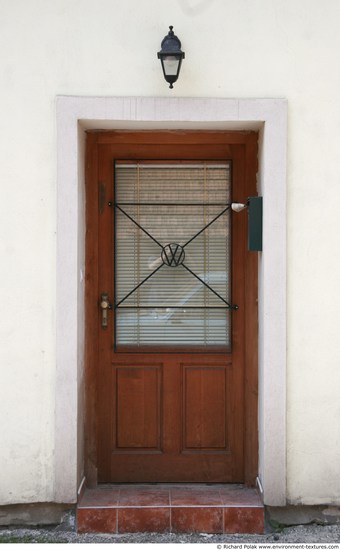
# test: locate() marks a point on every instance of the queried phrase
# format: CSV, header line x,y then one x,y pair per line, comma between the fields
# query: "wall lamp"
x,y
171,57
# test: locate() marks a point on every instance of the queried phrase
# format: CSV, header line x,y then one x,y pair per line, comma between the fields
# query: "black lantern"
x,y
171,57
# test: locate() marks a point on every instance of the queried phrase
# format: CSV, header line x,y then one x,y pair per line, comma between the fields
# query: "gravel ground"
x,y
66,533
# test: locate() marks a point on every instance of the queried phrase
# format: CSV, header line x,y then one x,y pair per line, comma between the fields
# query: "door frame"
x,y
74,116
248,140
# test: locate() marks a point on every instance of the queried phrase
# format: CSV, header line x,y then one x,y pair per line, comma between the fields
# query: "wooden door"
x,y
171,367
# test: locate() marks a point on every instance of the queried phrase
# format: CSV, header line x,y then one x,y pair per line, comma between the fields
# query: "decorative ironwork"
x,y
173,255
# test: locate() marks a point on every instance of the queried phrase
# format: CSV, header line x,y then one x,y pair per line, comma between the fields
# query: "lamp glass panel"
x,y
170,64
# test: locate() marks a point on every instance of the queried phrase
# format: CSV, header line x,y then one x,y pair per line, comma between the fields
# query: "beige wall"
x,y
234,48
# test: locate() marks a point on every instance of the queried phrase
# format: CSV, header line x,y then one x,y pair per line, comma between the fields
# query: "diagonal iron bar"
x,y
140,227
209,287
140,284
206,227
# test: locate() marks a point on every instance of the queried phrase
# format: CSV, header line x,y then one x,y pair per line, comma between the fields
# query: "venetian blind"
x,y
172,254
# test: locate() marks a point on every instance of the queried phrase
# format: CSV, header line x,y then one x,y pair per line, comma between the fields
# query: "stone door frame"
x,y
75,115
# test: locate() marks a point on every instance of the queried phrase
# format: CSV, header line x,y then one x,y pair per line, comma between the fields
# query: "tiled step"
x,y
171,508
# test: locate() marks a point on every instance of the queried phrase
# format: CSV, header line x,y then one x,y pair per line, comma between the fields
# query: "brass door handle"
x,y
105,305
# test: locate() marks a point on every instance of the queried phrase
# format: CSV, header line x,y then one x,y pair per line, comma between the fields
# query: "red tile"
x,y
239,497
99,497
143,496
185,509
203,496
97,520
244,520
143,520
191,520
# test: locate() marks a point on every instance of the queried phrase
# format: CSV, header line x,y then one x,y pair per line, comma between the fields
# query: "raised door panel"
x,y
205,404
138,390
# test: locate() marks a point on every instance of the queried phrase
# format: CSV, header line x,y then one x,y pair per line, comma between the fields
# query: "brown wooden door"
x,y
169,410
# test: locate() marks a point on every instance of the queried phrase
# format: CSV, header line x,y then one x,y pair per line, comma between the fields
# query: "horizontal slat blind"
x,y
171,204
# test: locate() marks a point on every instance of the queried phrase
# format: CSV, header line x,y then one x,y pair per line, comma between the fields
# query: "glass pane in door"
x,y
172,254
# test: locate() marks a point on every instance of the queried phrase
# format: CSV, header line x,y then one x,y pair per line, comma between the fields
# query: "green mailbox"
x,y
255,224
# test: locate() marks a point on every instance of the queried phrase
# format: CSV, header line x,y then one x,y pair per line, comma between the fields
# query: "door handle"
x,y
105,305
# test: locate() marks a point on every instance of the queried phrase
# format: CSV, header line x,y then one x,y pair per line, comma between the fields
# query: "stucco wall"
x,y
234,48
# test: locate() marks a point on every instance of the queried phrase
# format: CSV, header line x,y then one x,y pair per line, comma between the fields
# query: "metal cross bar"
x,y
209,287
172,204
206,227
138,225
173,307
140,284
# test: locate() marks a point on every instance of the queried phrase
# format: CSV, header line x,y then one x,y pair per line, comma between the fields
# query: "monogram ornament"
x,y
173,255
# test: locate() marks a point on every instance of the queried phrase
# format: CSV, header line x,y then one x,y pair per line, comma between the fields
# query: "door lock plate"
x,y
105,306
